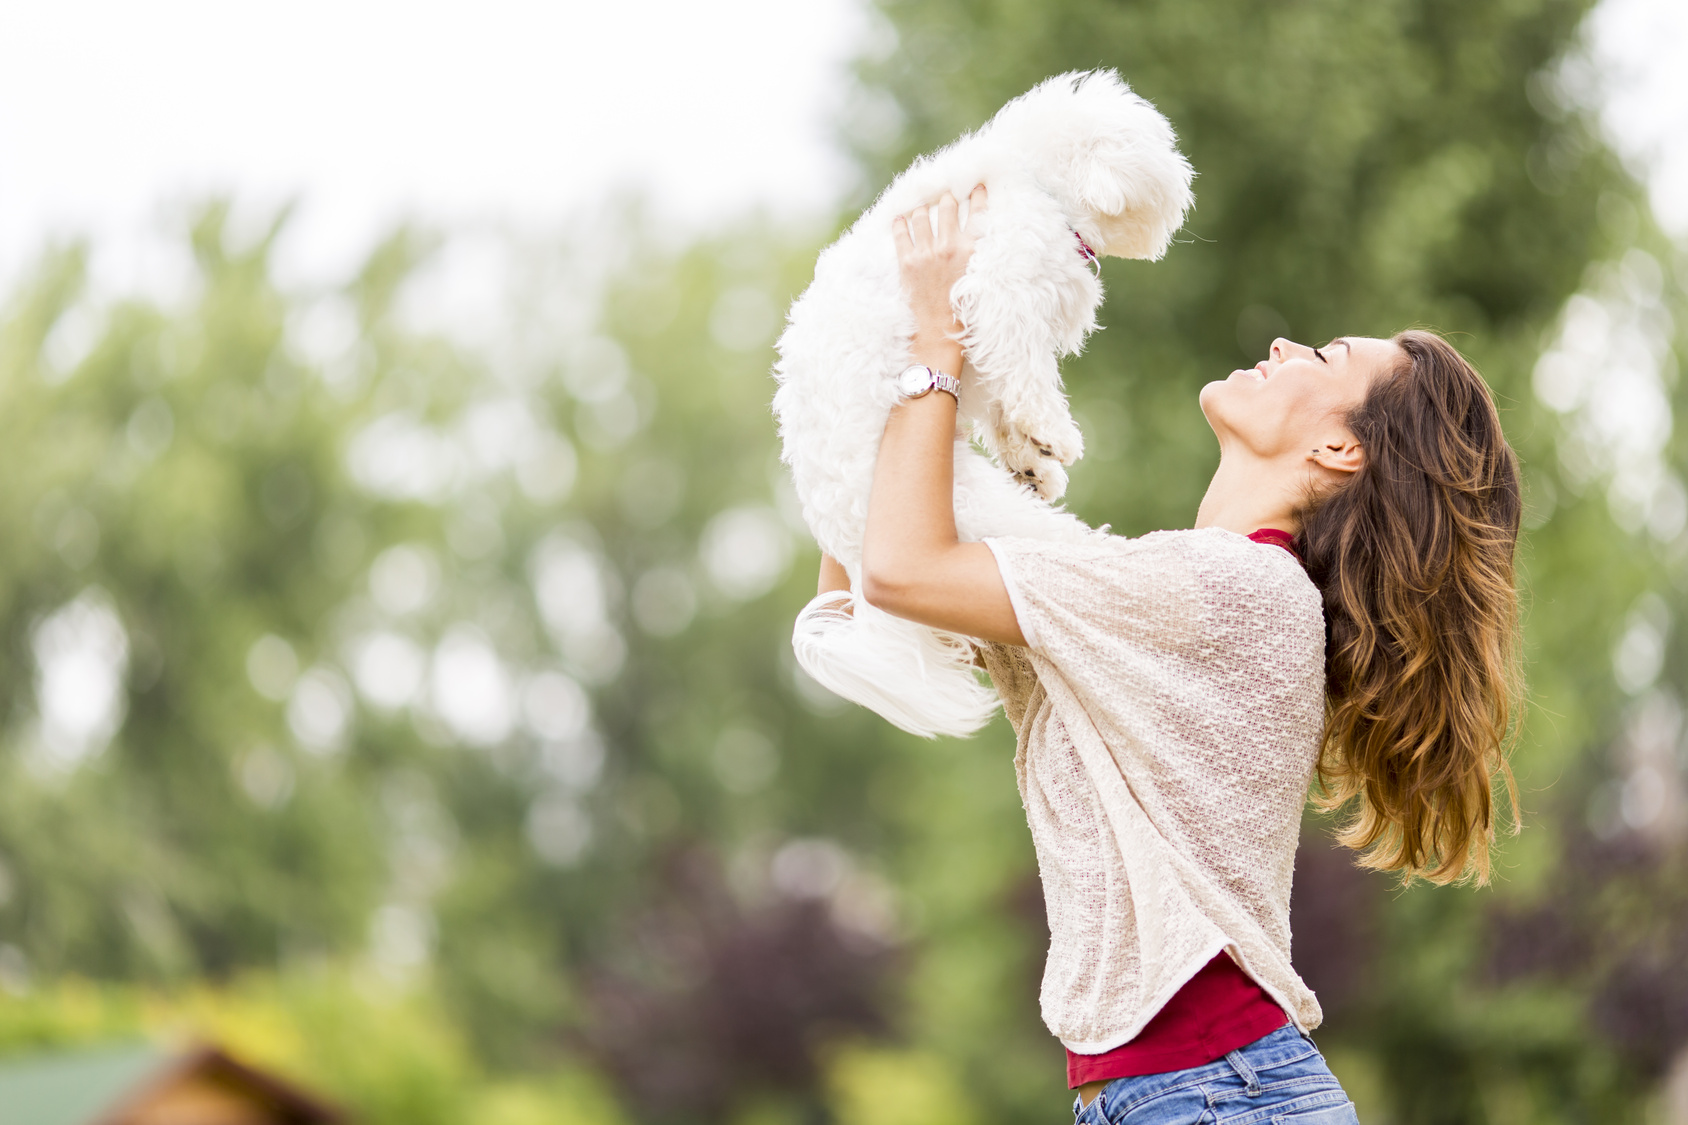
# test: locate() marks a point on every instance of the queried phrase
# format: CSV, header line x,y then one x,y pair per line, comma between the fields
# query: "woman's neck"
x,y
1247,494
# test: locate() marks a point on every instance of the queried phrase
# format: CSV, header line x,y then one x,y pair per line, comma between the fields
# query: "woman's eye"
x,y
1321,355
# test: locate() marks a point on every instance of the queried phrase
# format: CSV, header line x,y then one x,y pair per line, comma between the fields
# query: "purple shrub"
x,y
706,1001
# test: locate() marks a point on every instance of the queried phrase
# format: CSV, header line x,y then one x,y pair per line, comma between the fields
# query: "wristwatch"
x,y
918,380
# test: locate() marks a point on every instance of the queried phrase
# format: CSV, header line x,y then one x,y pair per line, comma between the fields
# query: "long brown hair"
x,y
1414,557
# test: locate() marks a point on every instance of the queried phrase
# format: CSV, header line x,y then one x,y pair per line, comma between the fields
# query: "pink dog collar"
x,y
1089,255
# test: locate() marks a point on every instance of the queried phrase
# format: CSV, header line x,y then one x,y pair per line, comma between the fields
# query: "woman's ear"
x,y
1339,455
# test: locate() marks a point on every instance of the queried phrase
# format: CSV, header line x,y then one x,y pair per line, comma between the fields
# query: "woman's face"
x,y
1298,397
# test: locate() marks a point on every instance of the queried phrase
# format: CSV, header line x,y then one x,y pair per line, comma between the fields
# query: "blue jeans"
x,y
1279,1079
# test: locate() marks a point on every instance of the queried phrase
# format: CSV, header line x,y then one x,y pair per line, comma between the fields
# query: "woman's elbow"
x,y
886,588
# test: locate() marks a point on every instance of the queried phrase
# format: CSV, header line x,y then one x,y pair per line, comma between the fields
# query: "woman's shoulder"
x,y
1200,549
1172,588
1224,567
1256,585
1094,563
1218,552
1098,546
1158,573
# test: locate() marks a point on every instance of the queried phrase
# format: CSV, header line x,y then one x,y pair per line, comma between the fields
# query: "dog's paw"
x,y
1046,478
1033,463
1061,442
1056,440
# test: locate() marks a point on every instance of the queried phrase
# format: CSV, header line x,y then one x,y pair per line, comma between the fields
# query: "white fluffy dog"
x,y
1077,167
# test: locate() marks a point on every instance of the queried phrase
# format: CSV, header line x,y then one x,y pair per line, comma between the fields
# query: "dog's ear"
x,y
1101,188
1136,195
1131,233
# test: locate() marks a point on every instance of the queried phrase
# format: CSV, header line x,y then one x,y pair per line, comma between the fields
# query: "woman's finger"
x,y
920,226
946,210
977,204
899,233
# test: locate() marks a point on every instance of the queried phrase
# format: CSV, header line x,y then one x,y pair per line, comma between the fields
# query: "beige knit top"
x,y
1168,707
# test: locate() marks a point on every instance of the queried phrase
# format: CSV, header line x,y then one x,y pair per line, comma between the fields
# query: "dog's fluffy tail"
x,y
918,678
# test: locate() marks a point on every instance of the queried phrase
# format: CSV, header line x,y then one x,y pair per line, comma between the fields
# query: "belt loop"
x,y
1250,1079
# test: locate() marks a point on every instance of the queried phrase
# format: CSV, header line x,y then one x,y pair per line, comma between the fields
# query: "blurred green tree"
x,y
174,517
331,636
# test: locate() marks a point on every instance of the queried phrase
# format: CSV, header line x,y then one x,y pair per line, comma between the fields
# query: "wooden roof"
x,y
143,1084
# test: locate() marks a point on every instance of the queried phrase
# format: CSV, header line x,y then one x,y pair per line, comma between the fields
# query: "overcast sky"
x,y
1642,46
112,111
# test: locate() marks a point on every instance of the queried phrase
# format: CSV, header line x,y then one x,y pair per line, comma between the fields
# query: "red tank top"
x,y
1218,1010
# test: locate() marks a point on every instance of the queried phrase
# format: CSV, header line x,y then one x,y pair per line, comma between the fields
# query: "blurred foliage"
x,y
393,1057
332,641
397,675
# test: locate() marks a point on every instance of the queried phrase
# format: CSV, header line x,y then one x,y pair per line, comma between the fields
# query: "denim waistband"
x,y
1280,1048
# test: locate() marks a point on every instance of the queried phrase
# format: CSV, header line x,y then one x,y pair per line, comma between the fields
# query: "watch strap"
x,y
935,380
949,383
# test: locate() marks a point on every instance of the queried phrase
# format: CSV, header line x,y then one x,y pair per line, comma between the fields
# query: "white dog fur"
x,y
1078,157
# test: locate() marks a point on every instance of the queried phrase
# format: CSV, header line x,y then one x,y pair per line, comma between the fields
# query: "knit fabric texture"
x,y
1169,715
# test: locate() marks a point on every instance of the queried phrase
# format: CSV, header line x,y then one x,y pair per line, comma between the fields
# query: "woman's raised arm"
x,y
913,565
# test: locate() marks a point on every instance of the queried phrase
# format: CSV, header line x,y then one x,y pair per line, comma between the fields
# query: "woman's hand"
x,y
931,262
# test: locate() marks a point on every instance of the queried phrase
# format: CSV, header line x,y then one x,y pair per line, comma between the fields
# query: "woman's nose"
x,y
1283,349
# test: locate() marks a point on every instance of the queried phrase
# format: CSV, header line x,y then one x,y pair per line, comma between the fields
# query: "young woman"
x,y
1343,606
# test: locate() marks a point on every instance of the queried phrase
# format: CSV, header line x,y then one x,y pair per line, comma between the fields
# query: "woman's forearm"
x,y
913,564
911,510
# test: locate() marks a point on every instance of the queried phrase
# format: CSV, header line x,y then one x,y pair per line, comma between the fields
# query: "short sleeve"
x,y
1104,601
1027,629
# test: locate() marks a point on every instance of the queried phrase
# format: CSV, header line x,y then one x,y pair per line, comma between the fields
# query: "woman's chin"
x,y
1221,389
1230,406
1212,401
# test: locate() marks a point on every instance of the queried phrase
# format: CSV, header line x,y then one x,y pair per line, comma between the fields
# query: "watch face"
x,y
914,381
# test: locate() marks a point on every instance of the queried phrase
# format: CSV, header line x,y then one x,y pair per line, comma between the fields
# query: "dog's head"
x,y
1107,155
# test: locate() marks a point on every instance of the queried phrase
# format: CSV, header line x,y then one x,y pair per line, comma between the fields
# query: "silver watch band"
x,y
949,383
930,378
